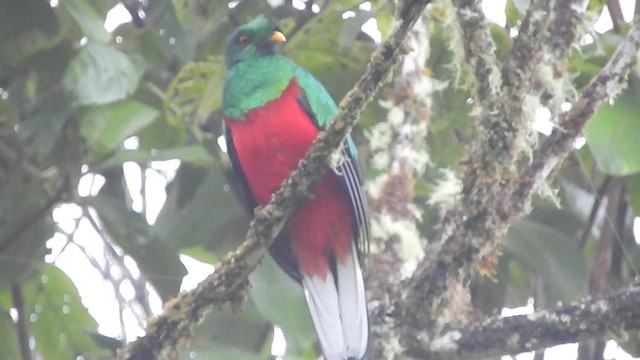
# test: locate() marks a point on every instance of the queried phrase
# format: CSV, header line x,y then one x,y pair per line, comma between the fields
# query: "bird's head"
x,y
253,40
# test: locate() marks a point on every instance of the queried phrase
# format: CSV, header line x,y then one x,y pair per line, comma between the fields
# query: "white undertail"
x,y
339,314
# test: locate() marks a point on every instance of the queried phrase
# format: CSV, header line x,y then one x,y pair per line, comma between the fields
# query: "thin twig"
x,y
17,297
601,260
7,242
595,208
615,12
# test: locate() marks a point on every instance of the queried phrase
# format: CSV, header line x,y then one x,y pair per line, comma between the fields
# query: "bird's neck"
x,y
254,82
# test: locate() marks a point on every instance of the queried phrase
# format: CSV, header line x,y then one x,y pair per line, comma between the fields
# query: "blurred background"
x,y
116,194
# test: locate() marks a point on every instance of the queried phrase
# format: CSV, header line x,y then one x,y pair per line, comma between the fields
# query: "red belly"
x,y
269,143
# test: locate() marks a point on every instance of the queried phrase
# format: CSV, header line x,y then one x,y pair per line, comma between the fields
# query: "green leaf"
x,y
25,252
336,58
201,210
101,74
513,13
200,254
25,226
87,17
58,320
554,256
195,92
106,342
47,120
633,184
521,5
105,127
223,329
200,16
27,28
612,136
271,289
177,44
596,5
192,154
162,135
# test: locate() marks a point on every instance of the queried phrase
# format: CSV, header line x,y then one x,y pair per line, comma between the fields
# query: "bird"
x,y
273,110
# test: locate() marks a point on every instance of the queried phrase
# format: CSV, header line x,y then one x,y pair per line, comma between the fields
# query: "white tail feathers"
x,y
353,306
340,314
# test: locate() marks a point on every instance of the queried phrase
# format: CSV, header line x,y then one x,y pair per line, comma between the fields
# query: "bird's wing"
x,y
322,109
337,303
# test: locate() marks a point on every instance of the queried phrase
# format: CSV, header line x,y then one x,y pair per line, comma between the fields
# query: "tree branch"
x,y
493,198
17,297
472,228
551,78
479,51
591,318
604,86
564,30
615,13
518,72
229,281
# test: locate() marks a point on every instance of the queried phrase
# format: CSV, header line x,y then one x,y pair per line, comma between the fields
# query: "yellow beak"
x,y
277,37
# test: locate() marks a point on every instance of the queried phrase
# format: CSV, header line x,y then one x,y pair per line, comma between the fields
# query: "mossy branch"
x,y
614,314
605,86
495,194
228,284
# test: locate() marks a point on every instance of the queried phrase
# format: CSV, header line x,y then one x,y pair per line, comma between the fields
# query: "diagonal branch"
x,y
493,197
22,329
552,83
479,51
229,281
604,86
563,32
472,228
587,319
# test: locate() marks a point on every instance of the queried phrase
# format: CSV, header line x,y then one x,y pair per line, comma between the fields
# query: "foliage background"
x,y
119,112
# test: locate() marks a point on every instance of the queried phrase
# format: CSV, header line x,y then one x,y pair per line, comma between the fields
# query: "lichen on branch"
x,y
497,189
592,318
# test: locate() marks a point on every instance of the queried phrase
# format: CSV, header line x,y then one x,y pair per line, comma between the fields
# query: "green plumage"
x,y
252,83
254,80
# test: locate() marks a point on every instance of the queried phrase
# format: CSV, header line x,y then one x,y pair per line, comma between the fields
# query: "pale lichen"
x,y
445,191
408,244
375,185
447,342
527,139
392,348
549,192
446,14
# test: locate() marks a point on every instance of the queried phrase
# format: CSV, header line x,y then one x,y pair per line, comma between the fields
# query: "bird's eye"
x,y
244,40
